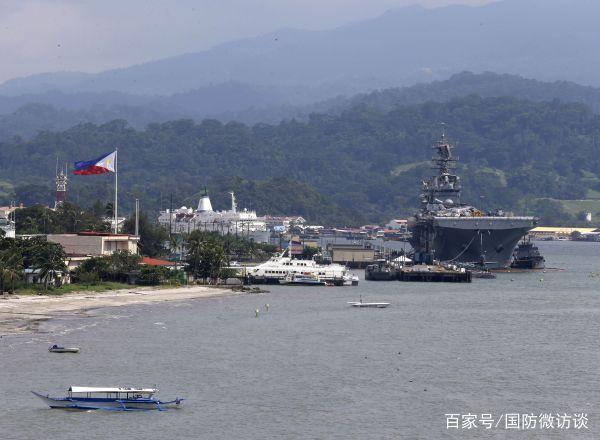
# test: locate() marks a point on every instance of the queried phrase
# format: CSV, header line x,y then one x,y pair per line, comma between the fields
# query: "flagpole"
x,y
116,191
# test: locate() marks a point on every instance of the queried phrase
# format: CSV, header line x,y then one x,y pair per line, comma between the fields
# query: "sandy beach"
x,y
21,313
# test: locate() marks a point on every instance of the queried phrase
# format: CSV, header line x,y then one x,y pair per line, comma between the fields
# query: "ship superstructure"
x,y
233,221
446,229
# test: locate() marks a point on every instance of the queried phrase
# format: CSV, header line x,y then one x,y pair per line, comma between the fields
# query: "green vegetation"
x,y
206,257
114,267
47,259
152,235
576,207
208,253
333,170
68,218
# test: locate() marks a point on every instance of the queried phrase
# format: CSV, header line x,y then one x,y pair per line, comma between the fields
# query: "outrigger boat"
x,y
57,349
112,399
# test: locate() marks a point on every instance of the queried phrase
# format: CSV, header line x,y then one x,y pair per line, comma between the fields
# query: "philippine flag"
x,y
104,164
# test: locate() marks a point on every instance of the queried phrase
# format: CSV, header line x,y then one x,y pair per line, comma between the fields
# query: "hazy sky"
x,y
93,35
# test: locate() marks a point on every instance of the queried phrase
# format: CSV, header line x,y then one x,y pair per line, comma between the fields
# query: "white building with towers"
x,y
233,221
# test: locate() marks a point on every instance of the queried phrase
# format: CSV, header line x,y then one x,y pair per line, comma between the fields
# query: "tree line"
x,y
363,165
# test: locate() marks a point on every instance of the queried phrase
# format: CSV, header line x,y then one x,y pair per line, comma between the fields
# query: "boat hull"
x,y
86,404
302,283
369,305
490,240
380,275
529,263
63,350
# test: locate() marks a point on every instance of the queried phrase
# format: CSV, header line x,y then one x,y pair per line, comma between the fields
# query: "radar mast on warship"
x,y
446,229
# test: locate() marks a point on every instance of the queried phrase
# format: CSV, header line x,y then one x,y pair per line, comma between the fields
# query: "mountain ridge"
x,y
404,46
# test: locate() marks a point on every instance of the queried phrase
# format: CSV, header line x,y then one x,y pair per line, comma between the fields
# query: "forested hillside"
x,y
362,165
236,102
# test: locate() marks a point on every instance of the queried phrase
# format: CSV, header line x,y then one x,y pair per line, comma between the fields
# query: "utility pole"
x,y
171,217
137,217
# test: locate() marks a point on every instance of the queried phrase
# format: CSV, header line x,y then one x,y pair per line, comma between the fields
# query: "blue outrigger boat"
x,y
112,399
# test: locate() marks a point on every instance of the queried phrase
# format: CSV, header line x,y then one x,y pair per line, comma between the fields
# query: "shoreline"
x,y
21,314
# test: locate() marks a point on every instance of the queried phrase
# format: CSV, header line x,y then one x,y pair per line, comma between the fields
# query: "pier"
x,y
434,274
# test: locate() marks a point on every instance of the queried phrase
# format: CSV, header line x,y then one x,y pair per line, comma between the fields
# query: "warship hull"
x,y
490,240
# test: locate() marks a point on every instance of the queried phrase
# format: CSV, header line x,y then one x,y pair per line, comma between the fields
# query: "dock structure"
x,y
433,274
351,255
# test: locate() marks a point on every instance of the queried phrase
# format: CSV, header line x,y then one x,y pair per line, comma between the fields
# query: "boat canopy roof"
x,y
75,389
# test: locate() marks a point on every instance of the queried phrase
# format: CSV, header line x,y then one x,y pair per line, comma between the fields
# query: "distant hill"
x,y
364,164
25,115
544,39
487,84
56,111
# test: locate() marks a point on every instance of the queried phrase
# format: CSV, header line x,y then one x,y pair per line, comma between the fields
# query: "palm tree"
x,y
11,265
49,259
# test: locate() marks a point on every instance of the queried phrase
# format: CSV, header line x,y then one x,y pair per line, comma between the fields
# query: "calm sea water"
x,y
313,368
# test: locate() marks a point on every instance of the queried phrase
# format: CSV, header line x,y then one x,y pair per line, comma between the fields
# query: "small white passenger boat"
x,y
57,349
112,399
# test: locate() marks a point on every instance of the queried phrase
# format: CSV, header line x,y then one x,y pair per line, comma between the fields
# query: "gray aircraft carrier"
x,y
447,230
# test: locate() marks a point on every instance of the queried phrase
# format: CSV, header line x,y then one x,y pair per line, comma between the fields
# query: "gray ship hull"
x,y
470,239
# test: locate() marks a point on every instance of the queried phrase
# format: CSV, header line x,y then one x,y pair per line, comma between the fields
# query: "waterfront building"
x,y
233,221
83,245
352,255
7,224
398,224
283,223
556,232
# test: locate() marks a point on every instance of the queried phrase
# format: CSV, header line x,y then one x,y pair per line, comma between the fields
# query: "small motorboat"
x,y
111,399
58,349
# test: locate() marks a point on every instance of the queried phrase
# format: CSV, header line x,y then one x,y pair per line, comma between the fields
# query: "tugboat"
x,y
527,256
454,232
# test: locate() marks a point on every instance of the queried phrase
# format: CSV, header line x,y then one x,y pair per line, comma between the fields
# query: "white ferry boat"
x,y
281,267
115,399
